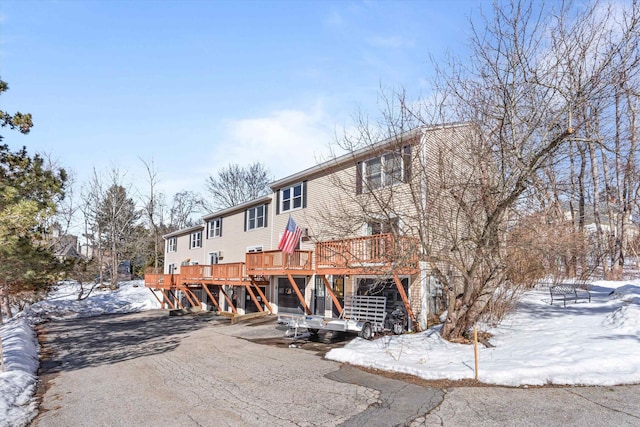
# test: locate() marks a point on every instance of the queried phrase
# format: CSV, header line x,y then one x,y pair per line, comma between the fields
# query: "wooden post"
x,y
475,347
300,296
405,299
253,298
213,300
160,302
262,295
334,298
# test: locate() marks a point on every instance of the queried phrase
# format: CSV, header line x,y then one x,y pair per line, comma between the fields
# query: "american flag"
x,y
290,238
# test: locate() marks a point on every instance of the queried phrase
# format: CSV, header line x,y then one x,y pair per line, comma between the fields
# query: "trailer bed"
x,y
363,314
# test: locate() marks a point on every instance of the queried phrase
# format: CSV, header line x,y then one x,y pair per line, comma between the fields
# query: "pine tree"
x,y
28,195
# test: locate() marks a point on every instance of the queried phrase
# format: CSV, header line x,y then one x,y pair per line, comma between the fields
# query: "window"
x,y
214,228
382,226
390,168
291,197
383,171
172,268
196,240
172,244
214,257
373,173
256,217
252,249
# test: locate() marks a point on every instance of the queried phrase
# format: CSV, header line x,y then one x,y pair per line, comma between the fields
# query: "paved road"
x,y
149,369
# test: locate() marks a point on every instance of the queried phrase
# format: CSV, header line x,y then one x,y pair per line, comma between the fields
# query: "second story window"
x,y
383,171
195,240
256,217
214,228
291,197
386,170
172,244
393,172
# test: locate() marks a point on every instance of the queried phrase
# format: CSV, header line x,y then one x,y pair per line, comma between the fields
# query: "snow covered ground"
x,y
20,345
584,343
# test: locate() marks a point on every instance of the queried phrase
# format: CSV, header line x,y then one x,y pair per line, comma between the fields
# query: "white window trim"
x,y
256,248
193,240
172,244
291,199
211,231
213,254
384,175
255,209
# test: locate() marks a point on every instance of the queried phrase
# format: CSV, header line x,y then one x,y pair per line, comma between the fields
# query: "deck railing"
x,y
152,280
199,273
378,249
359,252
276,260
160,281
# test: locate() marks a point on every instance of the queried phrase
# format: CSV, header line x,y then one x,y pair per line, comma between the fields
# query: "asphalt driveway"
x,y
149,369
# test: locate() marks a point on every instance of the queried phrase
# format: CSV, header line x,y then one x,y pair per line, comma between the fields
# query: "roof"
x,y
258,201
319,168
183,231
358,154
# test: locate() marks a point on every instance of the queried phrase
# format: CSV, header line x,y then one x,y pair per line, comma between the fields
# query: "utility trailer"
x,y
362,314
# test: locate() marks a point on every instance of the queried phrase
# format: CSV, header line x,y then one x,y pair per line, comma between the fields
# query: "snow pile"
x,y
62,303
18,382
585,343
626,318
20,345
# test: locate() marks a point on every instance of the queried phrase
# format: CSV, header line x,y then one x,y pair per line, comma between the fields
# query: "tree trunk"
x,y
5,305
114,264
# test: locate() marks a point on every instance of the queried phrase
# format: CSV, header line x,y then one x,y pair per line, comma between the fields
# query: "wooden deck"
x,y
276,263
381,254
216,274
377,254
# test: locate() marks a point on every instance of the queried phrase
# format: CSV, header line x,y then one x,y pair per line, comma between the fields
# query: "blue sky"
x,y
196,85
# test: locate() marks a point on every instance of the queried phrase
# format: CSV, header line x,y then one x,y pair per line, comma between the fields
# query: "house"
x,y
358,214
63,245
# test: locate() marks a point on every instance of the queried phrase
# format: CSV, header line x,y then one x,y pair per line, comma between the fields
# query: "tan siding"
x,y
234,241
182,253
334,210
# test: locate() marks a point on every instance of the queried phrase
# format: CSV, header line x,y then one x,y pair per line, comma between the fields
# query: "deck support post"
x,y
166,298
405,300
233,308
262,295
206,289
253,298
300,296
159,301
334,298
187,292
176,299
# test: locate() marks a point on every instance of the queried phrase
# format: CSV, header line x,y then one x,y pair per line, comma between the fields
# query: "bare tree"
x,y
92,193
235,184
185,205
524,96
152,208
110,220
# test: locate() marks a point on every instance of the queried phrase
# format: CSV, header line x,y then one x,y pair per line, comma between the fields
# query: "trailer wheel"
x,y
313,331
366,332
